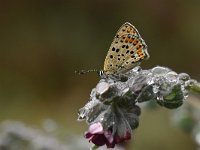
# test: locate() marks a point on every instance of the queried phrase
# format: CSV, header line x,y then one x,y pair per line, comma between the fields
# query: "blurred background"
x,y
43,42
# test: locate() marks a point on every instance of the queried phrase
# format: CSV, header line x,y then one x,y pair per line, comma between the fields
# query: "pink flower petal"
x,y
98,139
87,135
109,136
96,128
110,145
128,135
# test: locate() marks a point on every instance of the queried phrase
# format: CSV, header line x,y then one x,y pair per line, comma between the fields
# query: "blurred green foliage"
x,y
43,42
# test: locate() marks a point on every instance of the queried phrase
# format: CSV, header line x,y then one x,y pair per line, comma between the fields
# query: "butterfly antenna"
x,y
81,72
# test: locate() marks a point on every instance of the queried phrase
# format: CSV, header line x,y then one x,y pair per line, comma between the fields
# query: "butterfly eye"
x,y
102,74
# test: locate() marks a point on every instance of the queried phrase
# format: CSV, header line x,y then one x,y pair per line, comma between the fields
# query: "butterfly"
x,y
127,50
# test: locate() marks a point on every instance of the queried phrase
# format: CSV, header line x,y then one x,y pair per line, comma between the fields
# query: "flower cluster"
x,y
97,135
112,112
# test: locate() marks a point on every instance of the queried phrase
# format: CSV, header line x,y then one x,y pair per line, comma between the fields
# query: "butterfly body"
x,y
127,50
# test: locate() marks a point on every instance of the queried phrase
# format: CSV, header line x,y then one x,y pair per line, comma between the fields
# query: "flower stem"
x,y
194,87
94,147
